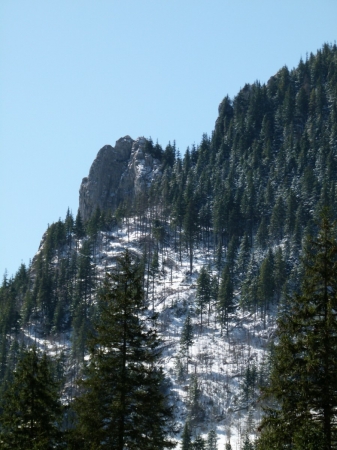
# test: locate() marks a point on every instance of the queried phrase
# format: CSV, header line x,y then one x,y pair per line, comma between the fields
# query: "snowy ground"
x,y
218,361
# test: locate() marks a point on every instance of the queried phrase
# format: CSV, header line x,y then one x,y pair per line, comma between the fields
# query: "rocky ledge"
x,y
117,174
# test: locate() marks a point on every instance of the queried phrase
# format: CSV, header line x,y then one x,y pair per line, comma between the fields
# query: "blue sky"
x,y
76,75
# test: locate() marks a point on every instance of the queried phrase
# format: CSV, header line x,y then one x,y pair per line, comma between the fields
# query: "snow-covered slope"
x,y
210,383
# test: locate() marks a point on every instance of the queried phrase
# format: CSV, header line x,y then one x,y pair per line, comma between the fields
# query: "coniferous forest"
x,y
247,219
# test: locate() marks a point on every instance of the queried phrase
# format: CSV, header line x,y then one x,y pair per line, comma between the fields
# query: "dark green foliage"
x,y
195,409
186,337
266,287
212,440
168,156
191,218
82,306
154,271
225,303
199,443
249,288
248,444
231,252
12,295
158,231
277,220
186,441
247,198
280,272
121,402
243,256
204,290
304,364
31,410
249,385
94,224
69,224
55,239
262,234
78,226
155,150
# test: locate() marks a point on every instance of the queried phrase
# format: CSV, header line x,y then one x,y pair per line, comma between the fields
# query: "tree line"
x,y
249,197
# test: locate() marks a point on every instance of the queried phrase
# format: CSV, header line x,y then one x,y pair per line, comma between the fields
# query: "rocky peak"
x,y
118,173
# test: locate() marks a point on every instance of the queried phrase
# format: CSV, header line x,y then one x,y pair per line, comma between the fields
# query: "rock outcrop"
x,y
117,174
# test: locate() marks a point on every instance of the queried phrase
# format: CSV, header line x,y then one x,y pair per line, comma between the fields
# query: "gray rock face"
x,y
117,174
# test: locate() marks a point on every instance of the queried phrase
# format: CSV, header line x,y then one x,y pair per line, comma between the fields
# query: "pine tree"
x,y
186,337
191,219
225,298
244,255
279,272
203,291
82,302
277,220
69,225
249,384
154,270
266,283
199,443
195,408
78,226
122,404
304,365
186,442
31,409
247,444
262,234
212,440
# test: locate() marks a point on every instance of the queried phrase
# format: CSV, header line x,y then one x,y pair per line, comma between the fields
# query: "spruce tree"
x,y
248,385
186,337
186,442
154,270
31,409
121,403
196,412
266,283
212,440
304,365
248,445
203,291
225,298
199,443
78,226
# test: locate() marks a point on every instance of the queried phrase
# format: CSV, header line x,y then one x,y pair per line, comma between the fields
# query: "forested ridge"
x,y
243,210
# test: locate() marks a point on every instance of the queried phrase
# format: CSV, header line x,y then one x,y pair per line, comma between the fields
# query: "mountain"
x,y
219,233
118,174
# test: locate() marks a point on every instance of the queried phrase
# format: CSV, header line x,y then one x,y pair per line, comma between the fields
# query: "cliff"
x,y
117,174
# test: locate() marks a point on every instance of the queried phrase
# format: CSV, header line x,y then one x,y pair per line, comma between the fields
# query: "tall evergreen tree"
x,y
248,445
212,440
186,337
186,441
122,404
78,226
31,409
304,366
225,298
203,291
199,443
196,412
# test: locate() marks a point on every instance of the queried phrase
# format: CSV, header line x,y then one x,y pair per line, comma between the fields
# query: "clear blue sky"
x,y
76,75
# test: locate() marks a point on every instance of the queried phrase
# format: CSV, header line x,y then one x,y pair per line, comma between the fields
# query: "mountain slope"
x,y
237,209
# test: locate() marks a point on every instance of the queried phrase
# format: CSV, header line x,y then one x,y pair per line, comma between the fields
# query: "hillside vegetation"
x,y
218,238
